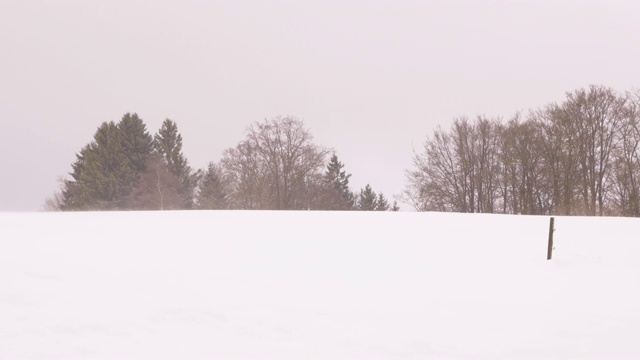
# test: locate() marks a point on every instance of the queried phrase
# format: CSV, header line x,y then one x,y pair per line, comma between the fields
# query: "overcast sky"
x,y
369,79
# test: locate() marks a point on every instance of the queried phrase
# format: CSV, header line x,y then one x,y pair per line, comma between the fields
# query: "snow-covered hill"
x,y
316,285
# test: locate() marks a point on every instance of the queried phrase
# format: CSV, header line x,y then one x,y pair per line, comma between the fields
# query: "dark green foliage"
x,y
102,175
124,168
337,195
107,170
367,201
382,204
72,198
168,144
213,194
136,141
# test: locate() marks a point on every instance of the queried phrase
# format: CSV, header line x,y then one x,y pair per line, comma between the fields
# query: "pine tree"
x,y
73,197
367,200
382,204
168,144
338,195
213,194
395,206
101,174
136,141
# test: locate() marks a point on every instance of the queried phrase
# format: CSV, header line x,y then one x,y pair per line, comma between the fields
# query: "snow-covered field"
x,y
312,285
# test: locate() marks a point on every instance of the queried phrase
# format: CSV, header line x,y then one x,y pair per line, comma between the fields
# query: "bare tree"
x,y
276,167
56,201
157,188
592,119
487,164
559,159
625,191
458,171
433,183
522,190
578,157
241,168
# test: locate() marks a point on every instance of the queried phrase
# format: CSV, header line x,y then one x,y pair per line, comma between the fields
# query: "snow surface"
x,y
316,285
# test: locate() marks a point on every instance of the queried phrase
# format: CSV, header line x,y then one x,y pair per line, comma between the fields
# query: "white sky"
x,y
370,79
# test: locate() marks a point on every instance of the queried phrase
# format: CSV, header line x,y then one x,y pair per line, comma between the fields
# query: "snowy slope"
x,y
316,285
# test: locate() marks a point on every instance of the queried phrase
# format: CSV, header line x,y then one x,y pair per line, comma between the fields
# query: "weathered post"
x,y
550,246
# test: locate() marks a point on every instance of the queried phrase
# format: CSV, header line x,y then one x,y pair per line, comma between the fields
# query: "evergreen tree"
x,y
101,174
136,141
213,194
72,196
168,144
395,206
367,200
382,204
338,195
137,145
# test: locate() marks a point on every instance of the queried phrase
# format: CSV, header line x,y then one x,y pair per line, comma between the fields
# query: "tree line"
x,y
579,156
277,166
576,157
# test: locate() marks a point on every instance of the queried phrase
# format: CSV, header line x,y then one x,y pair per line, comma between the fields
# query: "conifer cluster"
x,y
124,168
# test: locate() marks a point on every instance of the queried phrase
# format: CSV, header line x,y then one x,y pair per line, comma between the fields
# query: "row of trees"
x,y
277,166
577,157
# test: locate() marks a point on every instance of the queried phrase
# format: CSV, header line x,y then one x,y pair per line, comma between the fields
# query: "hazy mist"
x,y
369,79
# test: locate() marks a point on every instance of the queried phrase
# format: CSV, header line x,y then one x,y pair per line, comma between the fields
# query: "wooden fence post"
x,y
550,246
